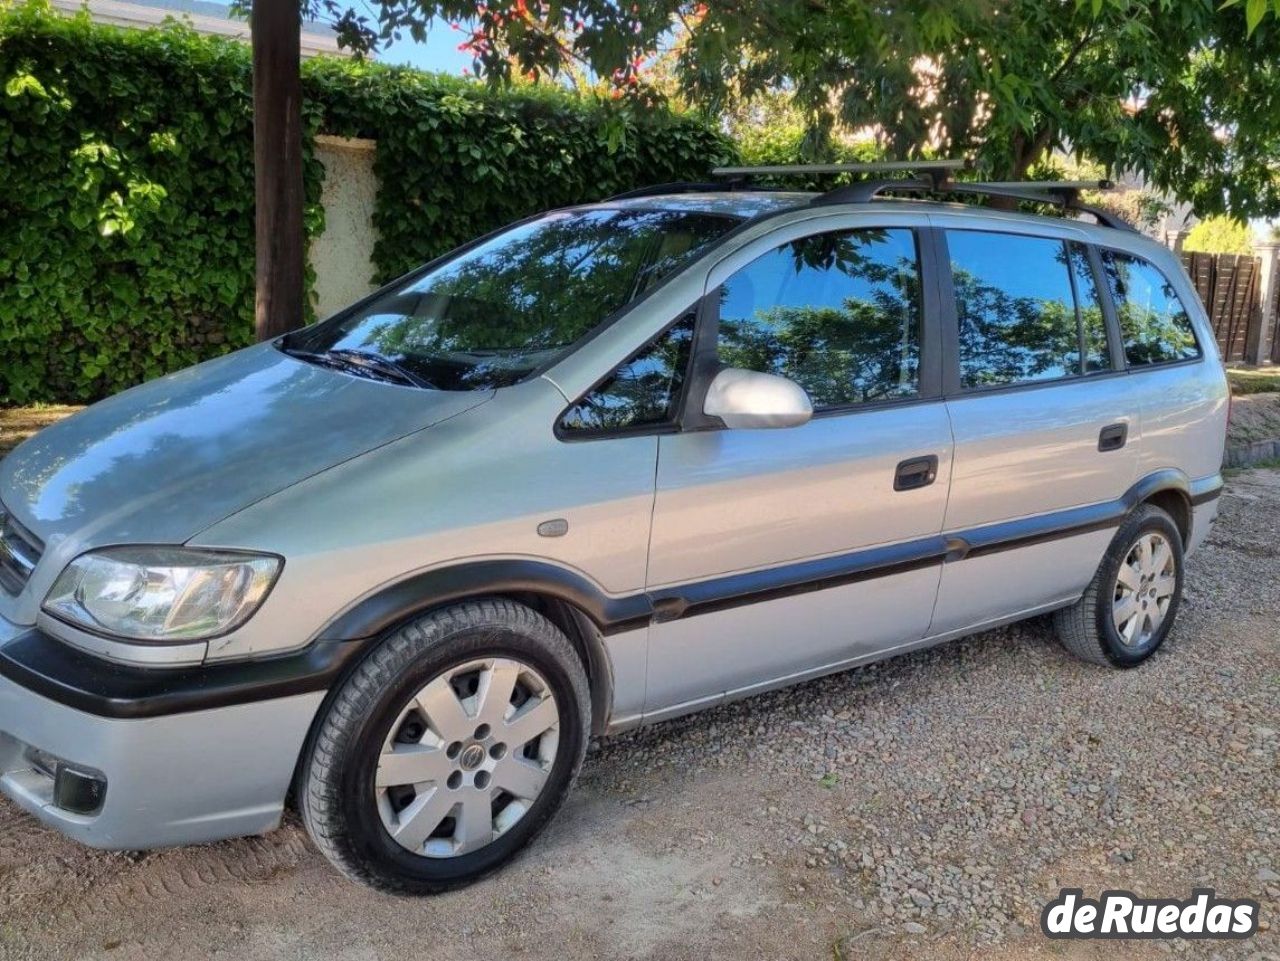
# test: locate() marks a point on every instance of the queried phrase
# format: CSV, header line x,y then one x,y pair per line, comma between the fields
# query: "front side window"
x,y
838,313
497,312
1017,309
1154,324
643,392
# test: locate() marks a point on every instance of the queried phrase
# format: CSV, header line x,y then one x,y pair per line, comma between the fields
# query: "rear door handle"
x,y
916,472
1112,437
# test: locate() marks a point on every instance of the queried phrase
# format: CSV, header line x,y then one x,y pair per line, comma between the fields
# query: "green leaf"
x,y
1254,11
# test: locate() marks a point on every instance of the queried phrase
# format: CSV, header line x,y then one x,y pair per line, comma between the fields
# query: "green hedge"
x,y
456,159
126,216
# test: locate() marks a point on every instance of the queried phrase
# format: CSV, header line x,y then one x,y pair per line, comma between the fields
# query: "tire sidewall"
x,y
1149,520
370,842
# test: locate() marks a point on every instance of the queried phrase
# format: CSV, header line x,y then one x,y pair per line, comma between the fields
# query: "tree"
x,y
277,163
1155,87
1150,86
1220,235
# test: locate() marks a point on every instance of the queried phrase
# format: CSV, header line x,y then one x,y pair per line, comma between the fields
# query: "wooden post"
x,y
276,27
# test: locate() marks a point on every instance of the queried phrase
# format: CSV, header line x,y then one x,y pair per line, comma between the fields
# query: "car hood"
x,y
161,462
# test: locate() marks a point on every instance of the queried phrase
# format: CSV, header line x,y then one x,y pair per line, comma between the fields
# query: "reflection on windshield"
x,y
492,315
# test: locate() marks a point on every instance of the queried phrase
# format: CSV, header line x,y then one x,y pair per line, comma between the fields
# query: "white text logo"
x,y
1121,914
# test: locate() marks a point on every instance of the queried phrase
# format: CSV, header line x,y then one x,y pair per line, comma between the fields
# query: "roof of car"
x,y
732,203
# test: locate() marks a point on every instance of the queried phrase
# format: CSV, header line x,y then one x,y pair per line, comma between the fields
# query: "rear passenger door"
x,y
776,553
1046,422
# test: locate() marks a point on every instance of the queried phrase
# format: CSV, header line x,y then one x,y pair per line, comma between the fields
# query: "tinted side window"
x,y
1154,323
1015,307
642,392
1093,325
838,313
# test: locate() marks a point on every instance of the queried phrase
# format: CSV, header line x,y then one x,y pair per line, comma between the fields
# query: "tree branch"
x,y
1073,54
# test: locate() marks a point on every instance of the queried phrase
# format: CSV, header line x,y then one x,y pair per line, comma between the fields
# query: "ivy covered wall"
x,y
126,212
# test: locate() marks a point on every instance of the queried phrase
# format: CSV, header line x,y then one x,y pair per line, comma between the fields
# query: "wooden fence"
x,y
1274,314
1228,285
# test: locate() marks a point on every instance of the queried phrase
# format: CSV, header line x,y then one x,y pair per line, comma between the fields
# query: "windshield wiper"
x,y
381,368
381,365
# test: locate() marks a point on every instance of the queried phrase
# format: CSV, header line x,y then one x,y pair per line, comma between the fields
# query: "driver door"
x,y
780,553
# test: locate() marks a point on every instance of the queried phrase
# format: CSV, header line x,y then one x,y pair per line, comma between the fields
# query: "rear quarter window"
x,y
1154,323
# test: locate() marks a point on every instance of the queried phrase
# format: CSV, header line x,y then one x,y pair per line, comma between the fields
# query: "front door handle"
x,y
915,473
1112,437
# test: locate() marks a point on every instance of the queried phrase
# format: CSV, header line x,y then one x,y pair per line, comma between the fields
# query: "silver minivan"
x,y
606,466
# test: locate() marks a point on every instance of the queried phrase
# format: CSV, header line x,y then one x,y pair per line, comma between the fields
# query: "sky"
x,y
440,52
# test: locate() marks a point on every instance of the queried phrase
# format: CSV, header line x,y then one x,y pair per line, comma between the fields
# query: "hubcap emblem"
x,y
471,757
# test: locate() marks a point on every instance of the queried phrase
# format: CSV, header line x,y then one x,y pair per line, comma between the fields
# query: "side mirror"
x,y
746,399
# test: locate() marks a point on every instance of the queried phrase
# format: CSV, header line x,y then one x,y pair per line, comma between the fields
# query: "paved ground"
x,y
923,808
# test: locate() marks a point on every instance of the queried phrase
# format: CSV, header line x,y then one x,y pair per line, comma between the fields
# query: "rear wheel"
x,y
1130,606
448,749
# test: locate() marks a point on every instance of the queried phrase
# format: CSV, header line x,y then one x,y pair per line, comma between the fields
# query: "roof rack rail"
x,y
738,178
926,176
1062,193
932,168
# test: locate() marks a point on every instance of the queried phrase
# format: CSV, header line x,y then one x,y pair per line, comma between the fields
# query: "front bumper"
x,y
177,776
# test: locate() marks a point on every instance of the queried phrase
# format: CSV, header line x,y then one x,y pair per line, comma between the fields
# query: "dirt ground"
x,y
1254,417
927,807
19,423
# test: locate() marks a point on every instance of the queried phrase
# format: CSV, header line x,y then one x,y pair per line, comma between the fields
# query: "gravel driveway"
x,y
926,807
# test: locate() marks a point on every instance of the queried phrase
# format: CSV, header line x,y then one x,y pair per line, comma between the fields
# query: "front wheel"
x,y
1130,606
448,749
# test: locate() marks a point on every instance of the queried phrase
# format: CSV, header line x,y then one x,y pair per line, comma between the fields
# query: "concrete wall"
x,y
343,255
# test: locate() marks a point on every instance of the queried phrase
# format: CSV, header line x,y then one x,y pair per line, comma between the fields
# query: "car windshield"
x,y
493,314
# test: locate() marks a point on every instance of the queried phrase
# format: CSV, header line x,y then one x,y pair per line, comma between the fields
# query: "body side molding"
x,y
67,675
614,614
70,676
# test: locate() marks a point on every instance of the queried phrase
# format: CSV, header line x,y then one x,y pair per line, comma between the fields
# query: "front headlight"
x,y
162,593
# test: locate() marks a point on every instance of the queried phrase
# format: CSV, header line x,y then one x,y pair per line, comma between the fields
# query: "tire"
x,y
399,700
1089,628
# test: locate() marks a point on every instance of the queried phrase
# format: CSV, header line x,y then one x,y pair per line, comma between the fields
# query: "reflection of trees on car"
x,y
1005,339
641,391
1093,326
558,283
864,349
496,312
839,356
1153,322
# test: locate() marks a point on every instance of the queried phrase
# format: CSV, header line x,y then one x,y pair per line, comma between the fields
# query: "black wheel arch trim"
x,y
64,674
1205,489
384,609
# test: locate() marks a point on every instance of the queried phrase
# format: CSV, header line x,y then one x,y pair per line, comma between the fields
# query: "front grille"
x,y
20,550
